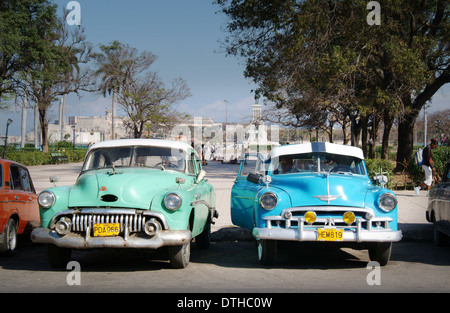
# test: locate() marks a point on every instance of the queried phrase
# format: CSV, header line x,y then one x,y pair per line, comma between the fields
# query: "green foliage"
x,y
375,166
380,167
32,158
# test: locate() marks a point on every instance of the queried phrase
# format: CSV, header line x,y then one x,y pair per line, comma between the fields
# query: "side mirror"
x,y
254,177
200,176
380,180
54,179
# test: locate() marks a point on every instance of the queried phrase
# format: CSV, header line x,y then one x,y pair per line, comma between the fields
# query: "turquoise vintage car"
x,y
314,192
131,193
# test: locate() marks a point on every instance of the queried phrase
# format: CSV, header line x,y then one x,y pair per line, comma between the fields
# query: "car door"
x,y
3,200
23,197
245,188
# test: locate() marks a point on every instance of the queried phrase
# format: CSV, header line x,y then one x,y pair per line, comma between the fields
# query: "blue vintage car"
x,y
314,192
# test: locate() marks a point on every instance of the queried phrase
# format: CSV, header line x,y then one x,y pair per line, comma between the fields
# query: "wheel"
x,y
439,238
9,244
380,252
179,255
58,257
203,240
267,250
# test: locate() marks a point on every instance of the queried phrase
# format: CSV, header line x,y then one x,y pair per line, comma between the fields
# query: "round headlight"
x,y
268,200
172,201
46,199
387,202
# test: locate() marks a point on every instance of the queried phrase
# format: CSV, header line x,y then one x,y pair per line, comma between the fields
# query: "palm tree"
x,y
110,70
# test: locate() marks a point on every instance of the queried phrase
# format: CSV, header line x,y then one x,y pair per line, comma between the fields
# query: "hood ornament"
x,y
327,197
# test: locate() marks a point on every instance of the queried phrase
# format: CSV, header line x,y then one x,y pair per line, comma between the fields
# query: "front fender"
x,y
179,219
371,201
61,203
284,202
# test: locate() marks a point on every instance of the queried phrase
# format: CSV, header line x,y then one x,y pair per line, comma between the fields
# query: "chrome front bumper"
x,y
308,233
75,241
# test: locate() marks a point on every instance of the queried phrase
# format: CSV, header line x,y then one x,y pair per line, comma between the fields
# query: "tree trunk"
x,y
355,130
388,122
363,123
405,141
44,128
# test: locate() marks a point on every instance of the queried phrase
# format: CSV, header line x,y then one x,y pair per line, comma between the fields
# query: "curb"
x,y
411,232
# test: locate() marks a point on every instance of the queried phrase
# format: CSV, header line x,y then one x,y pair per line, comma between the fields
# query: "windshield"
x,y
161,157
317,162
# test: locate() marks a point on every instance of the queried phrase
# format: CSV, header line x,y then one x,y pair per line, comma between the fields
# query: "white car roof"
x,y
141,142
317,147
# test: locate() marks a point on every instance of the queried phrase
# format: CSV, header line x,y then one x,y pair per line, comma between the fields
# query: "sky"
x,y
185,35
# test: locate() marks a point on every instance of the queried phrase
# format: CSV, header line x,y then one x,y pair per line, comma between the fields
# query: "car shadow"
x,y
33,257
231,254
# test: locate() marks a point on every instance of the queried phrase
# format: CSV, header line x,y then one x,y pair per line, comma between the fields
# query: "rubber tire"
x,y
58,257
380,252
267,251
9,245
179,255
203,241
439,238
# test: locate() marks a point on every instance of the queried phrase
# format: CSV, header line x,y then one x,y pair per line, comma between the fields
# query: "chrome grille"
x,y
130,220
134,222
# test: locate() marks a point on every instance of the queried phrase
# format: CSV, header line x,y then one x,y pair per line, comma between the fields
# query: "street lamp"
x,y
6,136
73,143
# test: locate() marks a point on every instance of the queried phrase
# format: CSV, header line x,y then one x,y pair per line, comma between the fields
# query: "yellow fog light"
x,y
349,218
310,217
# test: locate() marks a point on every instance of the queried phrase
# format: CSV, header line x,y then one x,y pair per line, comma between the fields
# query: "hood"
x,y
311,189
127,188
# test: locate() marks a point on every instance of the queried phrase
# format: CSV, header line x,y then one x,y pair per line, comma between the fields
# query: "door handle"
x,y
16,197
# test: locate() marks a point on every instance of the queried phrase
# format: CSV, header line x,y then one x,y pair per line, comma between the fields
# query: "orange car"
x,y
19,210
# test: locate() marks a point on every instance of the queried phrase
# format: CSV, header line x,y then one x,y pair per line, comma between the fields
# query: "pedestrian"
x,y
428,167
203,155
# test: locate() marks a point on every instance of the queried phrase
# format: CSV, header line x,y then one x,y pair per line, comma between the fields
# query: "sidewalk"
x,y
411,208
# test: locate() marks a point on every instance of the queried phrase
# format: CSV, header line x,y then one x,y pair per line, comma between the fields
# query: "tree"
x,y
114,66
322,55
125,72
147,101
54,67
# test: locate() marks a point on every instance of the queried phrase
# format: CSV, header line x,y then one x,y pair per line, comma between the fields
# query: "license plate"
x,y
106,229
330,234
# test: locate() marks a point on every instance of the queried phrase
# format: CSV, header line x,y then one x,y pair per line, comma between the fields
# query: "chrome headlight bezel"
x,y
387,202
172,201
268,200
46,199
